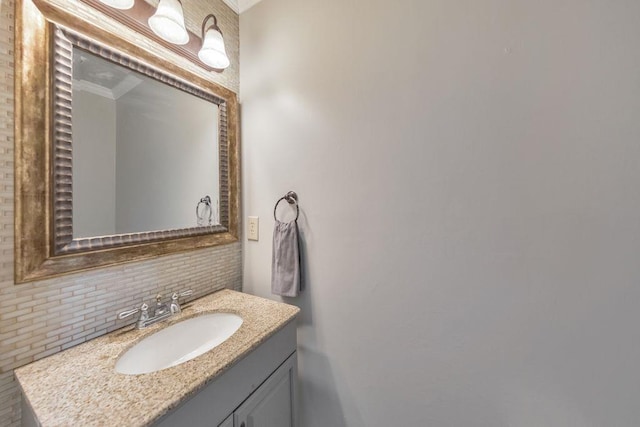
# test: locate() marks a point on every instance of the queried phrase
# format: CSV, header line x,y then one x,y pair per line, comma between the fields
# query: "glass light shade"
x,y
168,22
119,4
213,52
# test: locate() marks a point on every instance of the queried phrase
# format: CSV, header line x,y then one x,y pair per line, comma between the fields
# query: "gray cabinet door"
x,y
273,404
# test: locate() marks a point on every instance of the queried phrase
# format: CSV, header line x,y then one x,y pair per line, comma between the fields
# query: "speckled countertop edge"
x,y
80,386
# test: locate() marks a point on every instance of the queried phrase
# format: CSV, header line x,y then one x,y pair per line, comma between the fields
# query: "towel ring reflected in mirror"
x,y
292,198
206,201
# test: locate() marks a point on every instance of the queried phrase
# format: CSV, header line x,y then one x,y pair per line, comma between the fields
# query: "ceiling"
x,y
101,77
240,5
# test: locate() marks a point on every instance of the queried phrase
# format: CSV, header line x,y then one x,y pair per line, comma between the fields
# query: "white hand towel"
x,y
285,265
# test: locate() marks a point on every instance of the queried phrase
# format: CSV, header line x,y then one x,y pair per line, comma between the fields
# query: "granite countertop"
x,y
80,386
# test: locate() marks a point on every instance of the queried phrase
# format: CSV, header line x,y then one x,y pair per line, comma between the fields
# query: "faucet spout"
x,y
153,320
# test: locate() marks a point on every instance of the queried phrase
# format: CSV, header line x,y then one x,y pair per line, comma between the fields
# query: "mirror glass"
x,y
145,154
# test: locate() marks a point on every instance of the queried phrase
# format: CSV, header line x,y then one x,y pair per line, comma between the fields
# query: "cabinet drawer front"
x,y
228,422
273,403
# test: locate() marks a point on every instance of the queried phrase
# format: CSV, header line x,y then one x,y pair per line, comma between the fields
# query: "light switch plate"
x,y
252,229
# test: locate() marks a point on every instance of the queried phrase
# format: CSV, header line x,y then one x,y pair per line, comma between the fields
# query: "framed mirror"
x,y
120,156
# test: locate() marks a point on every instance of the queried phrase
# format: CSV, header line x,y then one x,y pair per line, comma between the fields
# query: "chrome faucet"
x,y
161,307
161,312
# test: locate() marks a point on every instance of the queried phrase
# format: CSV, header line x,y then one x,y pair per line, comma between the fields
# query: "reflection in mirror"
x,y
145,154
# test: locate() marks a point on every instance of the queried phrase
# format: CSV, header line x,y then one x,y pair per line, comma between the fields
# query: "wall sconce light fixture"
x,y
168,22
212,51
165,25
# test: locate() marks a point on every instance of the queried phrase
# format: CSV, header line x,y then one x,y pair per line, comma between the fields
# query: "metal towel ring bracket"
x,y
292,198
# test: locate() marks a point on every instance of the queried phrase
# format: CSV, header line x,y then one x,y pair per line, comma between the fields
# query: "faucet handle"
x,y
127,313
177,295
175,305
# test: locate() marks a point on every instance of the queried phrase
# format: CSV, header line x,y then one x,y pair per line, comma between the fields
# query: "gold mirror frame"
x,y
44,246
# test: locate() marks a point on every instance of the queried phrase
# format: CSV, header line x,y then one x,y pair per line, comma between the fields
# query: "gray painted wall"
x,y
167,158
94,165
468,174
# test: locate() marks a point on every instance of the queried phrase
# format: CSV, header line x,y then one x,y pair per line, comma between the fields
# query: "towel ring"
x,y
207,203
292,198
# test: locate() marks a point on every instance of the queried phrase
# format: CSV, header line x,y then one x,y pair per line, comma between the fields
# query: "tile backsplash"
x,y
42,318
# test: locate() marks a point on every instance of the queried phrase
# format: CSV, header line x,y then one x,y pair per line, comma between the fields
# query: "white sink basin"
x,y
178,343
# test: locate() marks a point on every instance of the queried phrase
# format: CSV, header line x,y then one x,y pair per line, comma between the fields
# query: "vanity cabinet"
x,y
258,391
272,404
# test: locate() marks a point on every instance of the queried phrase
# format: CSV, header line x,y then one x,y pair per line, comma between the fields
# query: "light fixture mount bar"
x,y
136,18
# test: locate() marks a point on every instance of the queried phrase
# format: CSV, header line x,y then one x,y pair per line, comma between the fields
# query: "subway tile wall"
x,y
42,318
